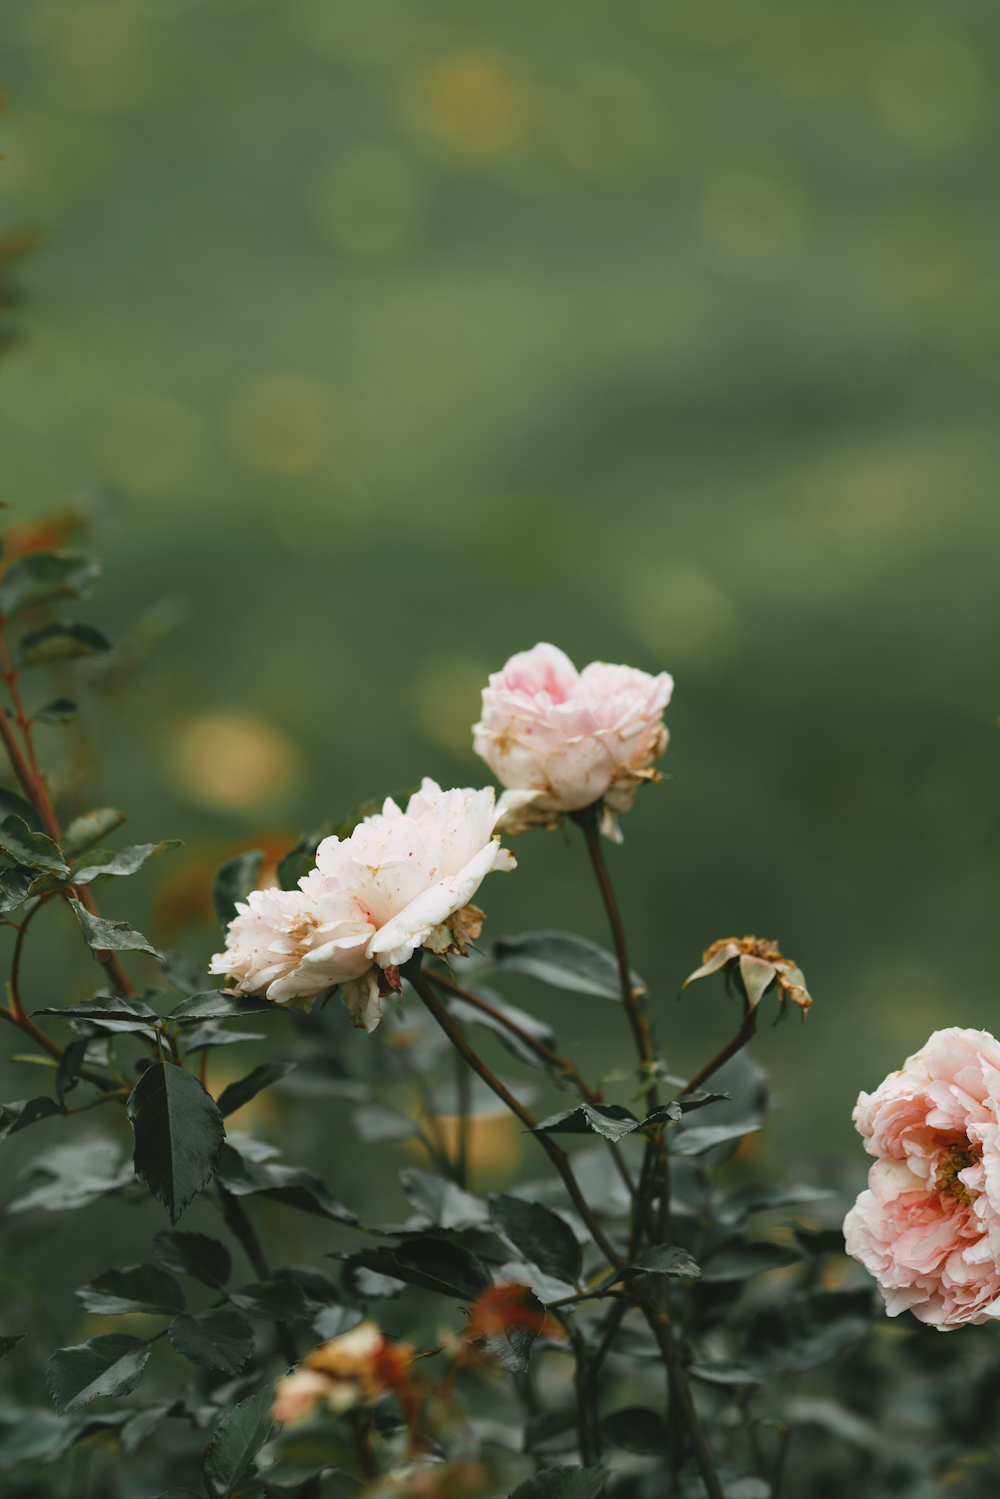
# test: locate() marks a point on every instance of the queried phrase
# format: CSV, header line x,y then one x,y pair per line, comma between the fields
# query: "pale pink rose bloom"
x,y
928,1228
371,901
297,1395
569,738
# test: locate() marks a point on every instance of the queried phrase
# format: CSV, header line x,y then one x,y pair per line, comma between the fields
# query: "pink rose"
x,y
570,737
928,1228
398,883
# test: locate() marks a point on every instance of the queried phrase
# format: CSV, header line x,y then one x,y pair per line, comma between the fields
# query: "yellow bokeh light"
x,y
473,105
148,443
930,92
232,760
282,424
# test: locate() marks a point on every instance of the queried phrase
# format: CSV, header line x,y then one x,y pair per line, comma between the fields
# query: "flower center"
x,y
960,1155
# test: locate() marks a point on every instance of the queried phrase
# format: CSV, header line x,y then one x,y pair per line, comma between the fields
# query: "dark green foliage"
x,y
218,1338
540,1235
806,1330
760,1195
317,1290
9,1341
42,577
111,1364
376,1121
637,1429
564,961
239,1436
59,710
237,1094
68,1071
432,1264
17,1116
129,861
116,936
36,850
136,1288
740,1261
12,805
277,1300
612,1120
104,1006
233,882
563,1483
334,1320
289,1184
14,886
210,1034
61,640
193,1254
667,1259
214,1005
184,973
551,1432
178,1135
468,1014
83,832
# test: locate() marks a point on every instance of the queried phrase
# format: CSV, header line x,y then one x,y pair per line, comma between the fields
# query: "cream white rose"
x,y
565,739
372,900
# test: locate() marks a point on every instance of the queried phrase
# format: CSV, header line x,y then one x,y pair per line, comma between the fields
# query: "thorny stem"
x,y
563,1065
658,1319
242,1229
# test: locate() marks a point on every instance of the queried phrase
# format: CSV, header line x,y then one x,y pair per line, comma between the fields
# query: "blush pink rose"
x,y
570,737
928,1228
371,901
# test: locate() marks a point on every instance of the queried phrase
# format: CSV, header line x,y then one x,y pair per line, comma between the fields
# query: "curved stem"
x,y
746,1031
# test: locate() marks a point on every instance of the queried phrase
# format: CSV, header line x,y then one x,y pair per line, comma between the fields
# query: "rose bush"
x,y
372,899
928,1227
570,738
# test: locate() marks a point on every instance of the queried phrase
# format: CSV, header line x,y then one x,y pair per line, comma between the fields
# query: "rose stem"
x,y
562,1065
463,1089
743,1035
586,820
242,1229
658,1320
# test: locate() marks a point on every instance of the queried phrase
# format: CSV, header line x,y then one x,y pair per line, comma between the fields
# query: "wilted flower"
x,y
572,738
759,964
928,1227
350,1370
402,880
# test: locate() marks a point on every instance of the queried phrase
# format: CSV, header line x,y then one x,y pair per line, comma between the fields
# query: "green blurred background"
x,y
403,335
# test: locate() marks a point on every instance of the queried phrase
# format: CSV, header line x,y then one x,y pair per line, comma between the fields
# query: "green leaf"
x,y
27,1433
113,936
61,641
564,961
111,1364
819,1241
36,850
9,1341
128,861
13,805
178,1494
233,882
539,1235
552,1432
611,1120
68,1070
724,1371
178,1134
760,1195
740,1261
211,1033
441,1203
17,1116
135,1288
83,832
467,1014
60,710
432,1264
804,1331
41,577
193,1254
218,1338
15,886
318,1291
184,973
289,1475
637,1429
292,1185
214,1004
80,1174
238,1438
563,1483
334,1320
278,1300
145,1423
104,1006
237,1094
705,1137
667,1259
376,1122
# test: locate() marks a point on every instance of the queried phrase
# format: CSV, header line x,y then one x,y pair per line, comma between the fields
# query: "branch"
x,y
743,1035
241,1228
